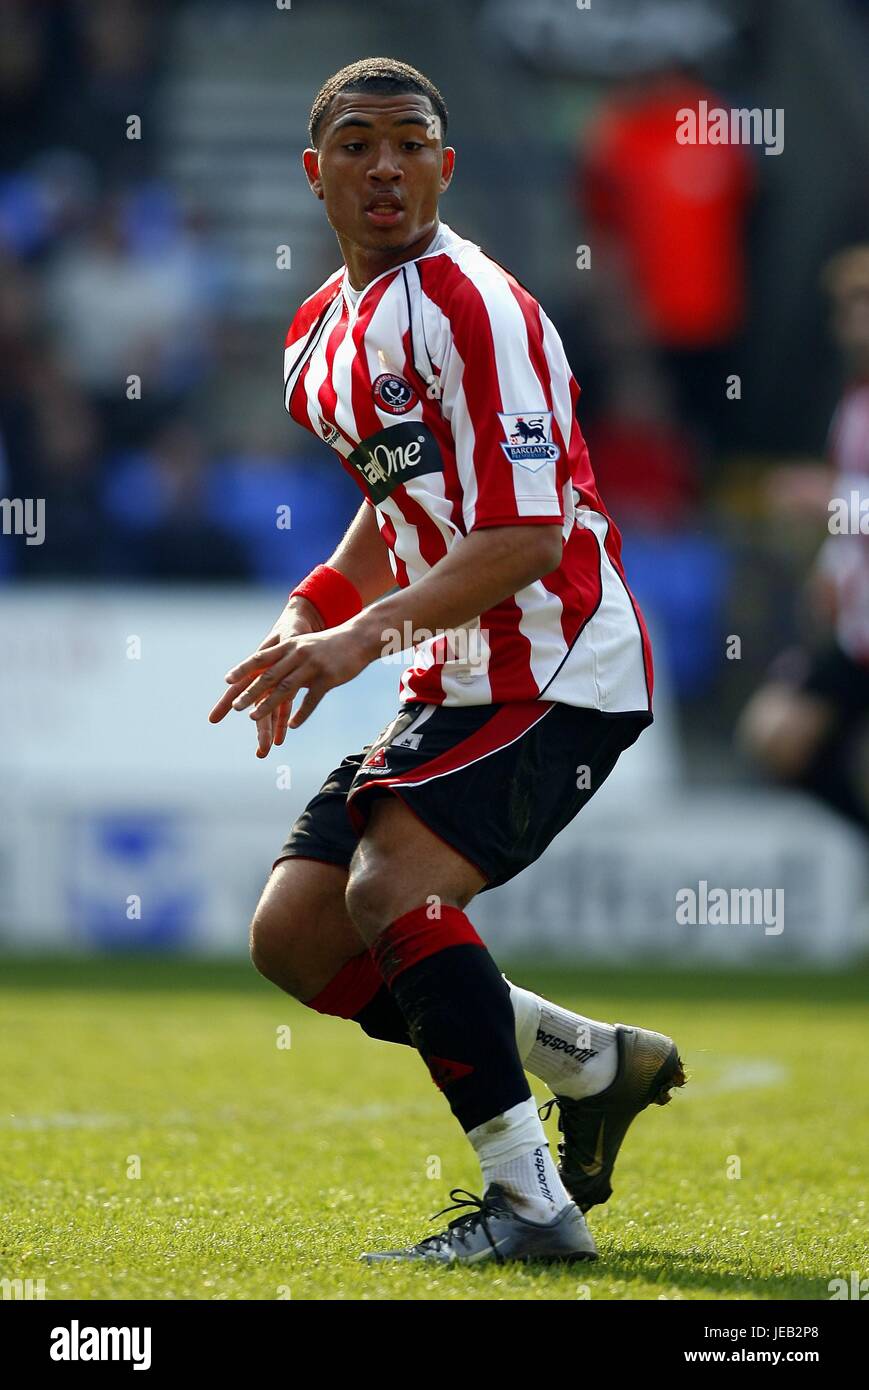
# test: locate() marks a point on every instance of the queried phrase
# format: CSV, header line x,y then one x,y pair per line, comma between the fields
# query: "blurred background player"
x,y
669,234
808,725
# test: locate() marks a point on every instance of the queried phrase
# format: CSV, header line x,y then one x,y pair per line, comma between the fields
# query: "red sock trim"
x,y
414,936
352,988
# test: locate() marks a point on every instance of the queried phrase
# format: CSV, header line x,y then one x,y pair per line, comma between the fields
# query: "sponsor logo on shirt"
x,y
329,432
393,394
529,439
394,456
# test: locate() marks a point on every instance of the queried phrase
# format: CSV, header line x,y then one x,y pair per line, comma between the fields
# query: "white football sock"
x,y
513,1151
575,1056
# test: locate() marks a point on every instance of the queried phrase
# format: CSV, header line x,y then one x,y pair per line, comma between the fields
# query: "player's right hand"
x,y
297,617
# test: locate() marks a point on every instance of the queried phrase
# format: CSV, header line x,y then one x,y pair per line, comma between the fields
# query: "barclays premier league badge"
x,y
529,439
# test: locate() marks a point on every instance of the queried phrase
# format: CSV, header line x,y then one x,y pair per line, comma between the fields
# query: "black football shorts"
x,y
496,782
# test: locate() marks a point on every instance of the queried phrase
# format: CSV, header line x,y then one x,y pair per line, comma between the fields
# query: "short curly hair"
x,y
381,75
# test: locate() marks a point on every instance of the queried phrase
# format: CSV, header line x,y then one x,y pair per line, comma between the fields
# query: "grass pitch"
x,y
164,1137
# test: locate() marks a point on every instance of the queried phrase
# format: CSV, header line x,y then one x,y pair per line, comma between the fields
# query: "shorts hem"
x,y
359,818
337,862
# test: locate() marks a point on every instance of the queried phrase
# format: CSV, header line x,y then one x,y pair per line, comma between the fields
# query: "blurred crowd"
x,y
119,358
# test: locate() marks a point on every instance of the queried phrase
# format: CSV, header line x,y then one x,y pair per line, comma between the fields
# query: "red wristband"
x,y
331,593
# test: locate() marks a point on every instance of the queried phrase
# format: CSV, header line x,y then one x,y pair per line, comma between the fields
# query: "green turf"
x,y
264,1171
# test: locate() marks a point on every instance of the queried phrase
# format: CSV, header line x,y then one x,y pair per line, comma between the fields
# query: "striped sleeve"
x,y
497,397
305,320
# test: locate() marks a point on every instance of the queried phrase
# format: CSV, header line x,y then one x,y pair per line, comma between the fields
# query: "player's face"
x,y
380,169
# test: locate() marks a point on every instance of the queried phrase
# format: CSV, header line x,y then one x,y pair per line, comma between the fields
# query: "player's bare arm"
x,y
486,567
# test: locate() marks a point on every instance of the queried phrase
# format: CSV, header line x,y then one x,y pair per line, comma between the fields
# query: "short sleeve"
x,y
496,395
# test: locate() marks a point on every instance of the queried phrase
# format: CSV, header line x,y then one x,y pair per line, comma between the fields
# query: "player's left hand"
x,y
317,662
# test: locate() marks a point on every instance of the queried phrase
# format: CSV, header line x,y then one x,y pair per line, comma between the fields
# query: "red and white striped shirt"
x,y
445,391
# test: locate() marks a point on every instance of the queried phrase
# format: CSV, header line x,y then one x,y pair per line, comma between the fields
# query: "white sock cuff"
x,y
518,1131
526,1008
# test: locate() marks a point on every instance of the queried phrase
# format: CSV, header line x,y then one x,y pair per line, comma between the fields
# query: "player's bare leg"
x,y
301,935
303,940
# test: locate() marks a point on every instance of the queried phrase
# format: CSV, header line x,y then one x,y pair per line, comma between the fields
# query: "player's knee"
x,y
368,900
271,949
